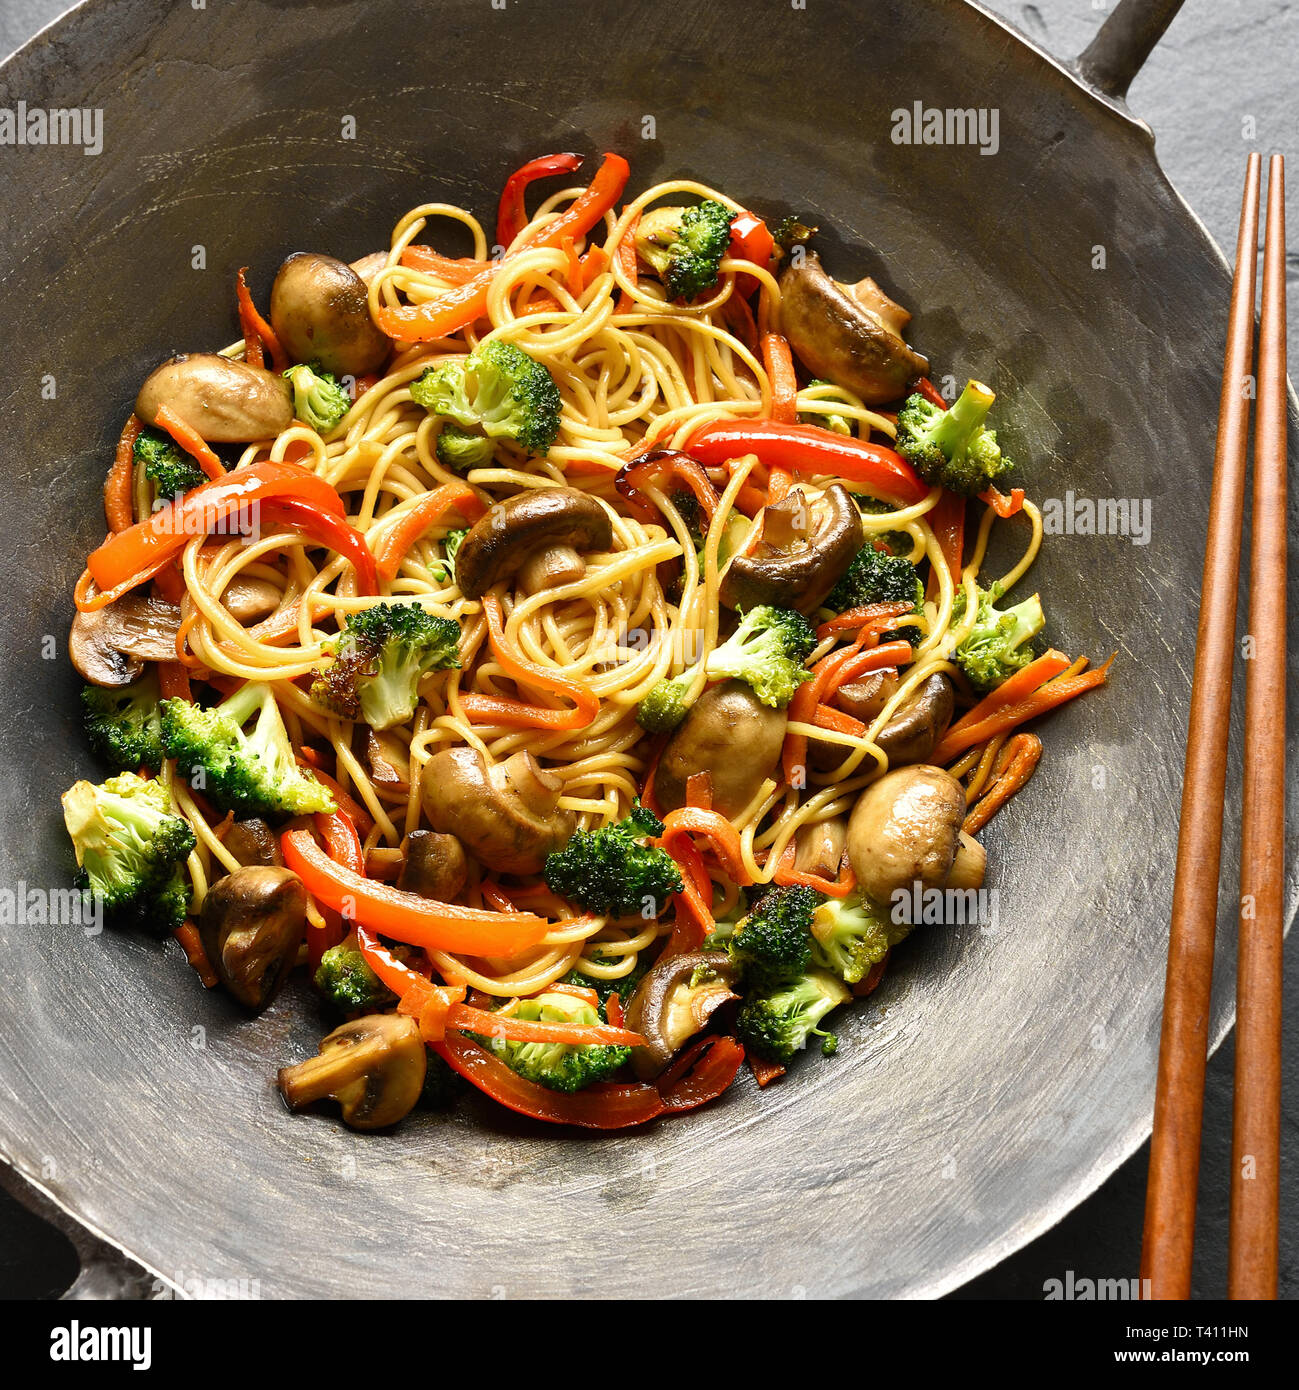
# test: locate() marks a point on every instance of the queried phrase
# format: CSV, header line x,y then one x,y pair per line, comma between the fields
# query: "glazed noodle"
x,y
649,384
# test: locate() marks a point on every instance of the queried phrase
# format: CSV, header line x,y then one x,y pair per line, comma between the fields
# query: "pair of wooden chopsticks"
x,y
1179,1097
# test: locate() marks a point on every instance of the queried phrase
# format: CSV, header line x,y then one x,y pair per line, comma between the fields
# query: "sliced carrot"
x,y
190,440
490,1023
454,271
398,539
1010,716
119,505
779,362
947,521
192,944
626,255
839,887
173,681
499,709
764,1072
1017,687
1018,761
256,329
722,836
1005,506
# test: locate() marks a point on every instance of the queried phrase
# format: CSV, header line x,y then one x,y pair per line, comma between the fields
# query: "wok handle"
x,y
1117,53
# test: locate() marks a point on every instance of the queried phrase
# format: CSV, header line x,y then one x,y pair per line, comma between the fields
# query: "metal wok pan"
x,y
997,1077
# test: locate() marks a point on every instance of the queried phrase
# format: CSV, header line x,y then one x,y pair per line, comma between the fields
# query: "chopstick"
x,y
1169,1232
1256,1108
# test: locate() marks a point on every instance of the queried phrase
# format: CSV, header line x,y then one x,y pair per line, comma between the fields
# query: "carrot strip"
x,y
839,887
1045,697
192,944
453,271
256,329
173,681
119,507
699,790
392,549
873,616
764,1072
1013,772
464,1018
190,440
627,264
517,713
827,717
722,836
1005,506
1017,687
779,362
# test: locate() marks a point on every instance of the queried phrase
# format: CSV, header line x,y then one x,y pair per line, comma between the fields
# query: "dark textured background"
x,y
1219,64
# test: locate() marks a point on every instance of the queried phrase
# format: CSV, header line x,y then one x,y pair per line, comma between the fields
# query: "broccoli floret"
x,y
611,871
766,651
460,450
451,543
500,391
251,774
897,542
997,644
685,245
122,724
130,849
827,420
347,982
777,1024
951,447
849,935
560,1066
444,390
166,465
773,944
379,660
318,399
874,577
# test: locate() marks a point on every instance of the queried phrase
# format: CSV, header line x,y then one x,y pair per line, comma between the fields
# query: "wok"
x,y
997,1077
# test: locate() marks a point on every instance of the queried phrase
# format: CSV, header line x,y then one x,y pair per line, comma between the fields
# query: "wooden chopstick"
x,y
1183,1041
1256,1109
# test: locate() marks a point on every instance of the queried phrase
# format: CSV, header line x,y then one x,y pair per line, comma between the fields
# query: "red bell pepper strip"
x,y
258,334
129,558
344,845
686,821
462,304
751,240
407,916
809,449
512,216
455,270
930,392
332,532
660,469
702,1072
613,1105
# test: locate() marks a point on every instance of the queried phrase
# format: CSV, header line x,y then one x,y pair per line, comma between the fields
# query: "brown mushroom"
x,y
906,829
223,400
507,815
320,313
389,762
863,699
729,733
912,732
251,926
252,841
802,553
110,646
674,1002
433,865
249,600
373,1066
819,847
850,334
369,266
540,530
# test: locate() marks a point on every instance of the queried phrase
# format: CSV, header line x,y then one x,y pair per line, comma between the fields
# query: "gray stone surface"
x,y
1221,83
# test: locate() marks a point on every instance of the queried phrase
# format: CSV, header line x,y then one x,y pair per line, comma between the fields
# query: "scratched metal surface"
x,y
996,1078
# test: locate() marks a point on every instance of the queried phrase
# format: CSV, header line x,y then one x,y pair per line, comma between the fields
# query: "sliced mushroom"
x,y
970,864
803,552
252,841
389,762
373,1066
863,699
507,815
433,865
523,530
729,733
369,266
223,400
251,926
674,1002
913,732
905,829
110,646
320,313
249,600
819,847
850,334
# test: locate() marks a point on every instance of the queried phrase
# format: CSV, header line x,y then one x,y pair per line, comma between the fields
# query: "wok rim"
x,y
85,1234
